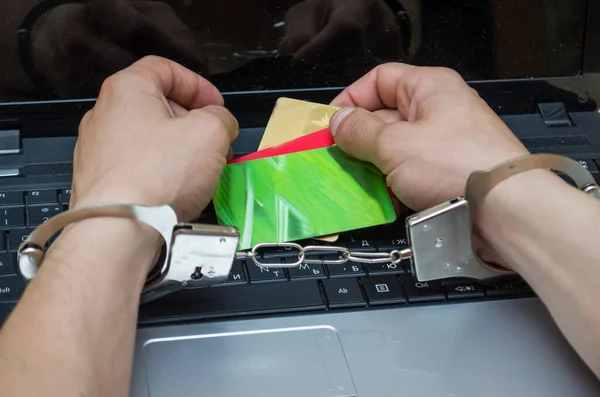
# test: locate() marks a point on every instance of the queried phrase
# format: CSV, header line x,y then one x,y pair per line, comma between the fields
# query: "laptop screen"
x,y
61,49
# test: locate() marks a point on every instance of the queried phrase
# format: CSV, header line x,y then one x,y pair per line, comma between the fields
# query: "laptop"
x,y
316,330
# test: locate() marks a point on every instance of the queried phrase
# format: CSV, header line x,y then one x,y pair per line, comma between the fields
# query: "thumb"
x,y
213,119
356,132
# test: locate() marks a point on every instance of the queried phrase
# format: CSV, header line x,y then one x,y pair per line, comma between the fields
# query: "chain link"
x,y
345,255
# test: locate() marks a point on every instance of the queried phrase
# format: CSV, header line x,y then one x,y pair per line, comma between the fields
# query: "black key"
x,y
42,196
348,269
16,237
589,165
203,303
7,263
423,291
358,243
12,217
385,268
307,271
260,274
2,241
65,196
343,292
39,214
392,244
237,274
465,289
11,198
383,289
5,309
279,252
11,288
503,289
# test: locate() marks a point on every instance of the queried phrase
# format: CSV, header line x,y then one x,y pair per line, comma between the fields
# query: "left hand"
x,y
157,135
321,27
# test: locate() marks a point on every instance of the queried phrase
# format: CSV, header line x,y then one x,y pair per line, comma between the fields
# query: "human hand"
x,y
425,128
325,27
87,42
140,143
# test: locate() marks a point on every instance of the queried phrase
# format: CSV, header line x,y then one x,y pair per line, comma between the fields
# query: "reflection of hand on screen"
x,y
85,43
351,27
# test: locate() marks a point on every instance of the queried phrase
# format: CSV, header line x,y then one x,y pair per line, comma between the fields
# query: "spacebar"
x,y
233,301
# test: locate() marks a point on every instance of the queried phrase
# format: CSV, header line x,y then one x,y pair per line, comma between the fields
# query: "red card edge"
x,y
315,140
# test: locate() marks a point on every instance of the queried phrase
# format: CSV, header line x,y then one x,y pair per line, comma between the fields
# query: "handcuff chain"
x,y
345,255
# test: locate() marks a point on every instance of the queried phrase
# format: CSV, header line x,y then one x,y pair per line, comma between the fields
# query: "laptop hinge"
x,y
10,142
555,114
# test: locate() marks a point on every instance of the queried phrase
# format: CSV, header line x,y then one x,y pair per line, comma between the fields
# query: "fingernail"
x,y
338,117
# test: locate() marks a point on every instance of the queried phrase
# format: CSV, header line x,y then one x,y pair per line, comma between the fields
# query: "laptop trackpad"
x,y
278,362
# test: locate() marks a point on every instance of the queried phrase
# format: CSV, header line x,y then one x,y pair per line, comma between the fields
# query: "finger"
x,y
230,154
356,132
214,119
340,35
300,27
178,111
159,78
177,83
396,85
377,89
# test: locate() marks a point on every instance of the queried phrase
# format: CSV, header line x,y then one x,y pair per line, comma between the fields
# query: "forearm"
x,y
548,231
79,313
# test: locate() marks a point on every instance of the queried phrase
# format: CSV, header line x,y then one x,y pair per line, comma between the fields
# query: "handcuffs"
x,y
198,255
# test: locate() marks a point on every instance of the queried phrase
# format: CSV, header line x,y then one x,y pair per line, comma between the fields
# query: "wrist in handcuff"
x,y
138,239
441,237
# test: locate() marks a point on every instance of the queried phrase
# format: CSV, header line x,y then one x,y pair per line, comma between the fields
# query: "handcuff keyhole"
x,y
197,275
439,243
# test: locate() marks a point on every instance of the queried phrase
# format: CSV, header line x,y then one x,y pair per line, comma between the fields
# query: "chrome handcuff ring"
x,y
197,255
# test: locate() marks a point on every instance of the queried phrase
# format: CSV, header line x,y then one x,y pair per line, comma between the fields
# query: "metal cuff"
x,y
195,254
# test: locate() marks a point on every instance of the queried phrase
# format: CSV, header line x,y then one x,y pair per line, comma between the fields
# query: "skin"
x,y
71,337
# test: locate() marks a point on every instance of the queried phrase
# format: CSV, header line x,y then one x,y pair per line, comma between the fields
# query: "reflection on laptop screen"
x,y
53,49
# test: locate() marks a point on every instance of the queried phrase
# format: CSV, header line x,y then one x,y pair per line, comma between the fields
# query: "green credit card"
x,y
301,195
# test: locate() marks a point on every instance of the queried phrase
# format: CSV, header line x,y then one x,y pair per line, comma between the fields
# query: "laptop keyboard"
x,y
253,290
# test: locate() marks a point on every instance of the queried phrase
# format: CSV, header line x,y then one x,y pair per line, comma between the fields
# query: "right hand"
x,y
342,29
87,42
425,128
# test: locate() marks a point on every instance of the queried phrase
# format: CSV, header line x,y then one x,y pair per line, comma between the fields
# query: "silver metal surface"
x,y
7,172
344,253
480,183
195,255
202,255
248,368
441,242
486,349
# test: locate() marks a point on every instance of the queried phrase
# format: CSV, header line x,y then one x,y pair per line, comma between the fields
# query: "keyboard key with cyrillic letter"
x,y
201,303
307,271
261,274
385,268
237,274
343,292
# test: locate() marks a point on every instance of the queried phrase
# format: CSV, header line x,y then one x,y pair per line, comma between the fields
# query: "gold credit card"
x,y
292,119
